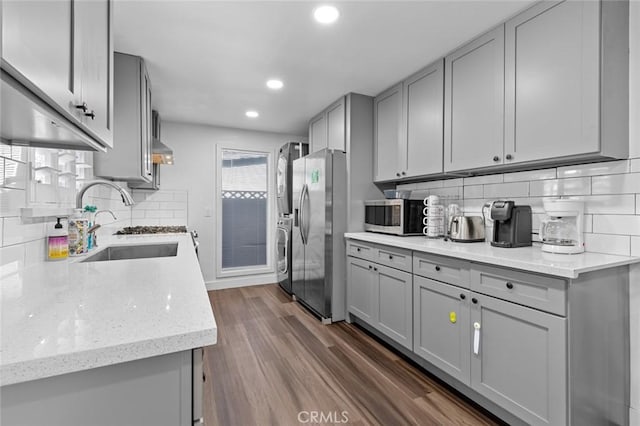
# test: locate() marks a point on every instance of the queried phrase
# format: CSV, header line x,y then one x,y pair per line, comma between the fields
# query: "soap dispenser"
x,y
57,243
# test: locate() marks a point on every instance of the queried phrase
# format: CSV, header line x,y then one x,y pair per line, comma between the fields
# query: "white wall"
x,y
194,148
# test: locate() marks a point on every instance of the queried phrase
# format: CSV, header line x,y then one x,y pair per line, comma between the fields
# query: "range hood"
x,y
162,154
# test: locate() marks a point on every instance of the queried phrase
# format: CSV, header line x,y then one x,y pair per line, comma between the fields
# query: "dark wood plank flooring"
x,y
274,360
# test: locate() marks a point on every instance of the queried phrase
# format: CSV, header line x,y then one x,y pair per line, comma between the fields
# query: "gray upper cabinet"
x,y
131,158
327,129
62,52
474,103
521,361
387,119
553,74
318,133
423,98
441,326
336,125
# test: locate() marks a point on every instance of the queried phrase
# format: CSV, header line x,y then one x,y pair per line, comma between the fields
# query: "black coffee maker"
x,y
511,224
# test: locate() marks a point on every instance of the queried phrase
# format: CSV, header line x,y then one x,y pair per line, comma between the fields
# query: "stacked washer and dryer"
x,y
284,181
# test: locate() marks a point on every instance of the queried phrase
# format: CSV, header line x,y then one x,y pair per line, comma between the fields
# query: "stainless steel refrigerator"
x,y
319,224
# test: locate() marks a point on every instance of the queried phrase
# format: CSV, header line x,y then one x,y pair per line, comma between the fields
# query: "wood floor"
x,y
275,364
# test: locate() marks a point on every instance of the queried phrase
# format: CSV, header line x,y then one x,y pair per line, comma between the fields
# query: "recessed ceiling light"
x,y
275,84
326,14
251,114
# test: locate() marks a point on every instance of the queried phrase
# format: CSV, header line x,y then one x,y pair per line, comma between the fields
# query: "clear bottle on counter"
x,y
90,214
57,243
78,226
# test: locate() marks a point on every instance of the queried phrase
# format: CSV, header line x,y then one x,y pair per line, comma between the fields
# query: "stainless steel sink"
x,y
134,252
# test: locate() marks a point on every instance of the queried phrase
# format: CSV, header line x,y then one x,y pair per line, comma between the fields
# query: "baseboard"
x,y
242,281
634,417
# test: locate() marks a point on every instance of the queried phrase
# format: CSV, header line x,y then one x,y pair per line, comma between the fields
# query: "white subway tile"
x,y
5,150
473,191
479,180
159,214
11,259
183,196
16,232
35,252
608,204
610,244
635,247
616,224
172,205
180,214
530,175
634,165
160,196
452,193
402,186
144,222
137,214
573,186
637,204
429,185
1,230
172,222
452,182
594,169
502,190
588,223
147,205
616,184
139,196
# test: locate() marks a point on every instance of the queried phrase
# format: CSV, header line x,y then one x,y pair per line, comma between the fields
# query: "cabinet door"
x,y
93,35
147,139
552,81
441,332
387,116
362,291
474,103
335,125
423,109
521,362
38,43
395,310
318,133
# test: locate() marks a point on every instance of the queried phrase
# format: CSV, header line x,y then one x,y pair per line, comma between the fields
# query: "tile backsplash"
x,y
23,239
610,191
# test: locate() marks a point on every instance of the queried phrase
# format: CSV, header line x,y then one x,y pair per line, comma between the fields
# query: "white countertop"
x,y
66,316
531,259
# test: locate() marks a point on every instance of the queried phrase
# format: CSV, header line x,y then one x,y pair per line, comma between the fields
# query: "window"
x,y
244,204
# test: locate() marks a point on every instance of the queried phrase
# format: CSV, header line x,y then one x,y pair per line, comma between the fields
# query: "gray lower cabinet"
x,y
520,361
382,297
441,332
157,391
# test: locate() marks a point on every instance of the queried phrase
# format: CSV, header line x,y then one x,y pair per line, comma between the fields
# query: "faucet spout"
x,y
127,199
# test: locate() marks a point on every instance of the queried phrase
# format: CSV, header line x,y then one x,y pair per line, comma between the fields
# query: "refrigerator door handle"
x,y
302,215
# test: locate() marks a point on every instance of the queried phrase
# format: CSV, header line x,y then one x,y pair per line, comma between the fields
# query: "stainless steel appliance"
x,y
466,229
319,223
283,250
561,230
511,224
288,152
397,216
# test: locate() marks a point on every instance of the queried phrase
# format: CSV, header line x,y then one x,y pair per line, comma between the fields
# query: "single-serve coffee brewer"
x,y
511,224
561,230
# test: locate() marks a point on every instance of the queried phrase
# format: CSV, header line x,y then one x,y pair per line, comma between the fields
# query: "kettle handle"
x,y
454,220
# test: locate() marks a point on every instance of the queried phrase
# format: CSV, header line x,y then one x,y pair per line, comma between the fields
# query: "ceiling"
x,y
209,60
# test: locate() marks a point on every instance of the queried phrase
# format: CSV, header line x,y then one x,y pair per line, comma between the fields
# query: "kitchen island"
x,y
535,338
73,329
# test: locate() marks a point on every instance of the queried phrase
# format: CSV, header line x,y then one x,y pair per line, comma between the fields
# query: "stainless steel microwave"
x,y
394,216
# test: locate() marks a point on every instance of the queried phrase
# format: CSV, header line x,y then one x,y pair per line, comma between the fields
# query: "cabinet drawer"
x,y
441,268
394,257
361,250
536,291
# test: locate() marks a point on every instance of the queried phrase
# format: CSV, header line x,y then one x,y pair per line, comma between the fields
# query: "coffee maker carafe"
x,y
561,231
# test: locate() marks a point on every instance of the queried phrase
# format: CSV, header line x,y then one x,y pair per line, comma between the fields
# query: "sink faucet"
x,y
127,199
